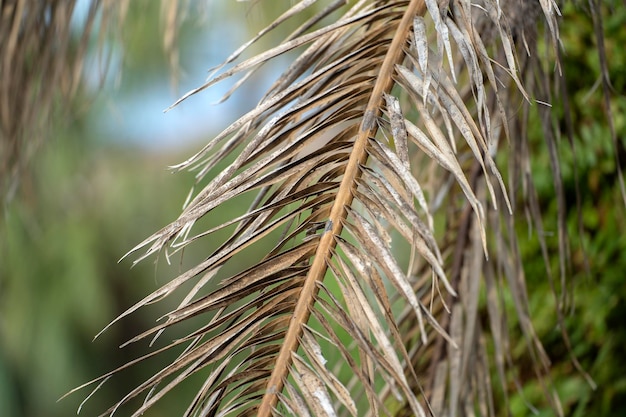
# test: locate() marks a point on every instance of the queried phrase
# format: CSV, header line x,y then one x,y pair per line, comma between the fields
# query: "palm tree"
x,y
388,229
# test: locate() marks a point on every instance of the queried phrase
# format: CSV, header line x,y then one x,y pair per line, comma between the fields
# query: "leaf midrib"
x,y
369,127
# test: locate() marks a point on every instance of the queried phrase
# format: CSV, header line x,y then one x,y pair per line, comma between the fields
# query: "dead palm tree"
x,y
379,139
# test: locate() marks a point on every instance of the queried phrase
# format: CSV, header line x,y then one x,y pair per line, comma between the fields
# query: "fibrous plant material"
x,y
378,139
43,50
41,61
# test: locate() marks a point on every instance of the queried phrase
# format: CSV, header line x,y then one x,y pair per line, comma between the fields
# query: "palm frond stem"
x,y
358,158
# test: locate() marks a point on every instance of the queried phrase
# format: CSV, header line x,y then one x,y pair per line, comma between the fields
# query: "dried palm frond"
x,y
41,62
43,51
378,139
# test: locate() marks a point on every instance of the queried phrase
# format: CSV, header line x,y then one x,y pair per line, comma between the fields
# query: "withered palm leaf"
x,y
391,114
42,63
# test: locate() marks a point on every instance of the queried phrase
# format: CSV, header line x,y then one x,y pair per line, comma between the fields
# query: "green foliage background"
x,y
88,200
596,310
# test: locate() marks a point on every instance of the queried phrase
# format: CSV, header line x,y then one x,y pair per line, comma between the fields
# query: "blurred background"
x,y
100,185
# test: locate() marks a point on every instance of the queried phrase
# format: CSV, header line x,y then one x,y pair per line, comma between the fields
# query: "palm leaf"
x,y
43,63
382,130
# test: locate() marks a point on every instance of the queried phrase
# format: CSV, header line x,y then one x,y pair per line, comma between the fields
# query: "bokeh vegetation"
x,y
88,199
595,305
